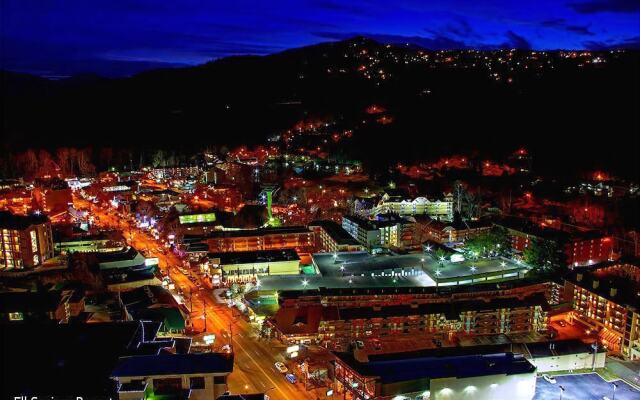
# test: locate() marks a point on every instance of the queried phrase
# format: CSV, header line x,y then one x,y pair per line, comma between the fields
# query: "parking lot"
x,y
583,387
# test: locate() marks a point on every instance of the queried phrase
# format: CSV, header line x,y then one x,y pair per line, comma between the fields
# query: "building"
x,y
395,204
155,303
26,241
90,243
578,247
69,360
450,232
289,237
439,374
247,266
188,376
57,306
387,230
331,237
605,298
127,269
565,355
436,320
336,317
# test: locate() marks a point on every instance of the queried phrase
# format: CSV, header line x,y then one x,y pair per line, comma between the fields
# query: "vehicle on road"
x,y
549,379
291,378
281,367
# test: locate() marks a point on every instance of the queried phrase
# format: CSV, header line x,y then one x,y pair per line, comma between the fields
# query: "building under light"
x,y
606,298
437,209
247,266
437,374
26,241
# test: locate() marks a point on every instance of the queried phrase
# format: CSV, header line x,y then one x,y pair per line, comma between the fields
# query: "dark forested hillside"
x,y
571,107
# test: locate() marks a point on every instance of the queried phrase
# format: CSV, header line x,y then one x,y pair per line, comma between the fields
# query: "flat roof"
x,y
627,291
261,256
560,347
361,262
337,232
250,232
9,220
174,364
464,366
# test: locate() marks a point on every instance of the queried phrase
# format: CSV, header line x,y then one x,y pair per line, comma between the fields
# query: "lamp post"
x,y
594,346
561,391
615,386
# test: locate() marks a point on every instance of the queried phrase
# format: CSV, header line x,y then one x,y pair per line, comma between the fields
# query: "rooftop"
x,y
20,222
67,359
262,256
174,364
336,232
404,367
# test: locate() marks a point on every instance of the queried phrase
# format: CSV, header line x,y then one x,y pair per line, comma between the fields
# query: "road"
x,y
254,357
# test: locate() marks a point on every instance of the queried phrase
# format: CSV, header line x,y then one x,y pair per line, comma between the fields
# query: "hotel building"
x,y
25,241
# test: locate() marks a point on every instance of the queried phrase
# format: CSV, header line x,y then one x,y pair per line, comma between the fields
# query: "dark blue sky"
x,y
120,37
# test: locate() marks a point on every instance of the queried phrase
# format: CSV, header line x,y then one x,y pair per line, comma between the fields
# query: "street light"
x,y
561,391
615,386
305,282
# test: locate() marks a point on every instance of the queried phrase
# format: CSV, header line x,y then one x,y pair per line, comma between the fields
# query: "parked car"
x,y
549,379
281,367
291,378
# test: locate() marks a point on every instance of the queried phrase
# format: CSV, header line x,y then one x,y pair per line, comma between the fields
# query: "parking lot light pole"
x,y
561,391
615,386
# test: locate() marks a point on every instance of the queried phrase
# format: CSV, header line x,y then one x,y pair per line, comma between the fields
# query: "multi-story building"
x,y
25,241
606,299
336,317
436,320
445,232
289,237
437,209
387,230
331,237
579,247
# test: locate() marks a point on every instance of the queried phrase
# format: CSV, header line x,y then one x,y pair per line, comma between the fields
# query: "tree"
x,y
63,156
543,255
85,166
440,255
495,242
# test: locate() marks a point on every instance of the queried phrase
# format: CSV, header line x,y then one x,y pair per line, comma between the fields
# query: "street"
x,y
254,370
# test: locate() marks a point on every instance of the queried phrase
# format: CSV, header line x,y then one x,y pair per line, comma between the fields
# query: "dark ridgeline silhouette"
x,y
576,116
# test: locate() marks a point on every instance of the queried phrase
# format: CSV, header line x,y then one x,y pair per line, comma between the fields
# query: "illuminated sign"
x,y
118,188
151,261
293,349
197,218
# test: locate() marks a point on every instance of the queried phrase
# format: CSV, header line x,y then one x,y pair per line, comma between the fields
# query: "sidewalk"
x,y
629,371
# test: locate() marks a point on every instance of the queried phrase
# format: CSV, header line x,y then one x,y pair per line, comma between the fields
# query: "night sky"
x,y
121,37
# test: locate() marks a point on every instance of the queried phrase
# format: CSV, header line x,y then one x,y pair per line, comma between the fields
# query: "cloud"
x,y
430,43
435,42
516,41
343,7
630,43
561,23
612,6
